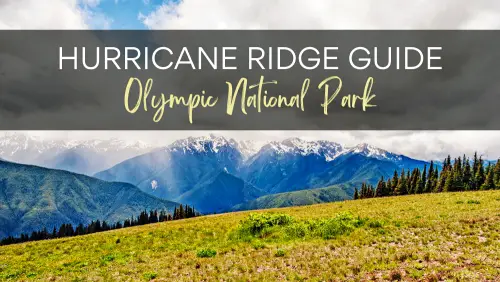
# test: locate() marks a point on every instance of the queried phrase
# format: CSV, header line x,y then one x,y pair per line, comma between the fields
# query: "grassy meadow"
x,y
427,237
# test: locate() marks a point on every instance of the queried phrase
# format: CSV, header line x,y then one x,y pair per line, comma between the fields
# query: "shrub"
x,y
258,245
375,224
475,202
206,253
282,225
108,258
150,275
255,224
343,223
297,230
280,253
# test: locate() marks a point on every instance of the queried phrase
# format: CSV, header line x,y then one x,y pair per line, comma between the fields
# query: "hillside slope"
x,y
219,193
299,198
428,237
33,197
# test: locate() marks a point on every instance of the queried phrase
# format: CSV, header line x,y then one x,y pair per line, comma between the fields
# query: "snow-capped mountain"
x,y
23,148
372,152
248,148
211,169
207,144
383,155
189,169
328,150
112,145
87,157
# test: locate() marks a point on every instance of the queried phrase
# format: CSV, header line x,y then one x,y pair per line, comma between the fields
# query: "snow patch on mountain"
x,y
210,143
330,150
249,148
373,152
28,149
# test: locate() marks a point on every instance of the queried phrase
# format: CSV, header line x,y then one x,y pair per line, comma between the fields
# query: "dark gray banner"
x,y
262,80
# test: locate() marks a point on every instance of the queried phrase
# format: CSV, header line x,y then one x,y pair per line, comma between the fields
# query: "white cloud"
x,y
425,145
58,14
284,14
325,14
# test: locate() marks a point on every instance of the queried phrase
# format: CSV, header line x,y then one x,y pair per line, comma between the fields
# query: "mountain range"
x,y
216,174
86,157
33,197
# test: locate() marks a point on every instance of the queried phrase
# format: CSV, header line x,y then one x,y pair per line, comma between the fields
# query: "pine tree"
x,y
496,171
480,175
428,184
475,164
448,182
381,190
181,212
467,176
489,182
401,188
423,181
395,180
176,213
388,186
80,230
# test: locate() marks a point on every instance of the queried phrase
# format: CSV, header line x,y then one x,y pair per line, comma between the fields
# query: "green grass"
x,y
435,237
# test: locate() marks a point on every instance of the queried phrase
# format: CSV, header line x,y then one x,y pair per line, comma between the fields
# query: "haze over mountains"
x,y
216,174
87,157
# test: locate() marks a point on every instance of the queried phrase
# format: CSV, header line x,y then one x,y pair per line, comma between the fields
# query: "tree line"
x,y
67,229
461,174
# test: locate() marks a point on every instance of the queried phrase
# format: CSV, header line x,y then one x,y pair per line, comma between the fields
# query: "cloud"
x,y
425,145
287,14
325,14
60,14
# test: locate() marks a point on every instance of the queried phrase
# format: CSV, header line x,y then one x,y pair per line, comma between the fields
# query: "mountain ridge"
x,y
279,166
34,197
84,156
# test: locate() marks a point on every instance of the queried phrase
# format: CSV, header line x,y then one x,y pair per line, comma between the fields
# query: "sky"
x,y
245,14
274,14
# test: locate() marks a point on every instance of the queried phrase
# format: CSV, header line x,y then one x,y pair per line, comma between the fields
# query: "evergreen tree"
x,y
448,182
480,175
388,187
182,212
428,184
395,180
381,190
496,172
422,181
401,188
489,182
475,164
467,176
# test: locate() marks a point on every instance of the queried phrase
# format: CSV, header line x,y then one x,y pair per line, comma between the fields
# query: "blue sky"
x,y
124,14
